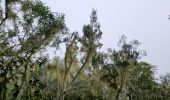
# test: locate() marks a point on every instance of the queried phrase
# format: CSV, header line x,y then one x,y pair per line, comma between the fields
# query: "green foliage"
x,y
33,28
82,74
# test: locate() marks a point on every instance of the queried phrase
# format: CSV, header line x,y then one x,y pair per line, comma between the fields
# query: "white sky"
x,y
144,20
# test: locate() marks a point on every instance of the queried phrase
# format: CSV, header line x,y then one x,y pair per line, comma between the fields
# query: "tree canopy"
x,y
28,28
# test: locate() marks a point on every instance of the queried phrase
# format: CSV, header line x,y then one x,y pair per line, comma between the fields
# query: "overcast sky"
x,y
144,20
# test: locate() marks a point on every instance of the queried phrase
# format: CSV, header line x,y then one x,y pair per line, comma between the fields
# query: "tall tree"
x,y
91,38
27,28
118,66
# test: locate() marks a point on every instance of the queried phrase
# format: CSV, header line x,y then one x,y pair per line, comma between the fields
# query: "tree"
x,y
118,66
28,28
142,82
91,38
32,28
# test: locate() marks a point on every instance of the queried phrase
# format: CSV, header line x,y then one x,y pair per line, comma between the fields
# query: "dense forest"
x,y
28,29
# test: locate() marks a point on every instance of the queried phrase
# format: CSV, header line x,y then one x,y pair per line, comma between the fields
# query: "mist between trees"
x,y
28,28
